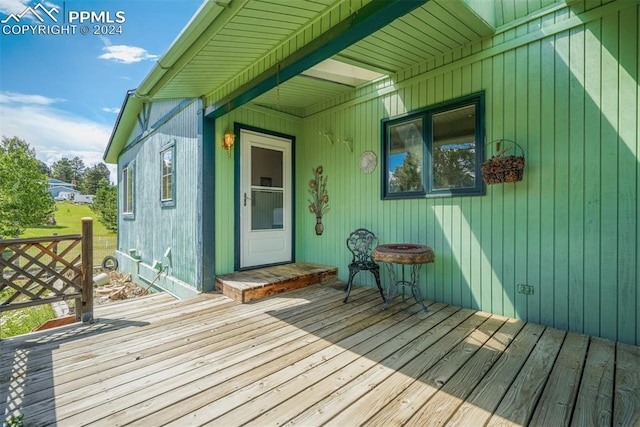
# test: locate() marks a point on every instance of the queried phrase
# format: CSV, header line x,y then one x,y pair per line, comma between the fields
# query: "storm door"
x,y
265,199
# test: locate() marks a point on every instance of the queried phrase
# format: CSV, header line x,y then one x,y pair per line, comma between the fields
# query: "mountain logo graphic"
x,y
37,11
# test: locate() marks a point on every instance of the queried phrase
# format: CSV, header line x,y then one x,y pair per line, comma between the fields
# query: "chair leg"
x,y
376,274
352,274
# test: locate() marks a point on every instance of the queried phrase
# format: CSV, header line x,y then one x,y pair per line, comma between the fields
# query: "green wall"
x,y
154,228
567,92
563,83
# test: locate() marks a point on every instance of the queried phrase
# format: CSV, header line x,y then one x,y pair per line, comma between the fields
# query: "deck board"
x,y
595,395
626,408
560,392
306,358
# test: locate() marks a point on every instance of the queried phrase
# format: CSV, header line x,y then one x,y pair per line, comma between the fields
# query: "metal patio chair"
x,y
361,243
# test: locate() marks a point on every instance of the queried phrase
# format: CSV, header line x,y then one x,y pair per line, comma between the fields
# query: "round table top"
x,y
404,253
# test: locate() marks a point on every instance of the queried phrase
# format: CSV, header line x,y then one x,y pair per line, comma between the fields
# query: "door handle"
x,y
246,198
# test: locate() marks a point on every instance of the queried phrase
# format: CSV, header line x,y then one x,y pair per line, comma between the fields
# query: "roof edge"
x,y
193,30
125,122
208,11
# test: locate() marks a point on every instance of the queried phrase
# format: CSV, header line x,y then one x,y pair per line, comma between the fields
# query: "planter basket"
x,y
500,168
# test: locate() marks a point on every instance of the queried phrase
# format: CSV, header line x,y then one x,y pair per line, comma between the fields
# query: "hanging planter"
x,y
501,168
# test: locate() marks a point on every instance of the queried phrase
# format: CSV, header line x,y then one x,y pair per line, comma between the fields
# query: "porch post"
x,y
86,306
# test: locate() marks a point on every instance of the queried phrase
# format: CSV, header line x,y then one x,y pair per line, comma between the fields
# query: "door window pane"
x,y
266,167
266,209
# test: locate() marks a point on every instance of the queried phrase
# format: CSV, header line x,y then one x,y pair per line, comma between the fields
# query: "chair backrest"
x,y
361,243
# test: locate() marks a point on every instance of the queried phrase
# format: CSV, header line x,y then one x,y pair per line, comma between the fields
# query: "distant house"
x,y
57,187
400,102
83,198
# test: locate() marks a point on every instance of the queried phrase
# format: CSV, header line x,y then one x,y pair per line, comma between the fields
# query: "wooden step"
x,y
248,285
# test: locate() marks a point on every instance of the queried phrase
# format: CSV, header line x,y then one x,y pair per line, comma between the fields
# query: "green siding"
x,y
569,229
154,229
564,86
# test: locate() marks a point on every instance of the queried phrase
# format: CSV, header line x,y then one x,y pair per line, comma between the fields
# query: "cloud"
x,y
111,110
126,54
13,6
8,7
52,132
21,98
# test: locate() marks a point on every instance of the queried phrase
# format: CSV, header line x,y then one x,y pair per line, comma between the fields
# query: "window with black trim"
x,y
167,175
435,152
128,190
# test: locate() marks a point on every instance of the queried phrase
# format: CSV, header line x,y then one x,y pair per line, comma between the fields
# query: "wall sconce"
x,y
228,140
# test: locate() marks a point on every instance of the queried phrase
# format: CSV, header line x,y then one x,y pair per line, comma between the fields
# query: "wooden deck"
x,y
306,358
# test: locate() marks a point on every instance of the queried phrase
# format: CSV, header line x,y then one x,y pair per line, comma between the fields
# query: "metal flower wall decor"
x,y
319,201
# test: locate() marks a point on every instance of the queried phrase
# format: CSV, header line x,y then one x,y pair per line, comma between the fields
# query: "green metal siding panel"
x,y
628,172
154,228
507,11
569,228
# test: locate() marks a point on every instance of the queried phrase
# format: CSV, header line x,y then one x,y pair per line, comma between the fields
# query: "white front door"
x,y
265,199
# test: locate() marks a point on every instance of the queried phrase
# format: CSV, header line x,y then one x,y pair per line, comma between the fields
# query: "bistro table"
x,y
403,254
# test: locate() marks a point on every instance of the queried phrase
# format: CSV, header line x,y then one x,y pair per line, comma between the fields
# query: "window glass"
x,y
127,189
405,151
167,175
453,149
436,151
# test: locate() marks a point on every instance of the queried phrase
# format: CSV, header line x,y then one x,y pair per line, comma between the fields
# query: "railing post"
x,y
87,271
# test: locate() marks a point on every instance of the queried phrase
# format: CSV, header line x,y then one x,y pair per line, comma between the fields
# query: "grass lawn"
x,y
69,221
22,321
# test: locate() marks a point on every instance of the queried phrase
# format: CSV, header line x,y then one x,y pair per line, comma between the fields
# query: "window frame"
x,y
170,148
427,114
128,187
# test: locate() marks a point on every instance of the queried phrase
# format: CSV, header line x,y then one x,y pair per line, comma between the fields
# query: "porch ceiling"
x,y
249,33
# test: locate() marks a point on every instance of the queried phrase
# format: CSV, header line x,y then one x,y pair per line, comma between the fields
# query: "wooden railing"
x,y
42,270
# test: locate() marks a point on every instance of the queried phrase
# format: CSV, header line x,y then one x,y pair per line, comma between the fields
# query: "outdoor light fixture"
x,y
228,140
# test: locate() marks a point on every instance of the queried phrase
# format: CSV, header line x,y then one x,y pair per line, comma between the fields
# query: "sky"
x,y
61,89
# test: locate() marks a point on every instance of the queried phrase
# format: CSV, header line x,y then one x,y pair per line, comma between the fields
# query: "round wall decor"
x,y
368,161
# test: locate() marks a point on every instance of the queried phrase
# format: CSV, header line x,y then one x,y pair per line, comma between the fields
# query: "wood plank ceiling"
x,y
260,26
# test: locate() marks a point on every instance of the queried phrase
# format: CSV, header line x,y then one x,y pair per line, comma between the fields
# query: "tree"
x,y
24,197
105,204
92,177
77,168
408,176
62,170
453,167
68,170
44,168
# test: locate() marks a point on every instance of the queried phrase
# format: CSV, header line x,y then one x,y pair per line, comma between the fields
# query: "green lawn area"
x,y
22,321
69,221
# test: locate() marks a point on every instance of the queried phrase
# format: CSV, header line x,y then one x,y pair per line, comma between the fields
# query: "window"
x,y
128,190
167,179
435,152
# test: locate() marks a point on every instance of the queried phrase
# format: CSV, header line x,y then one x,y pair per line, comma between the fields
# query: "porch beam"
x,y
359,25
